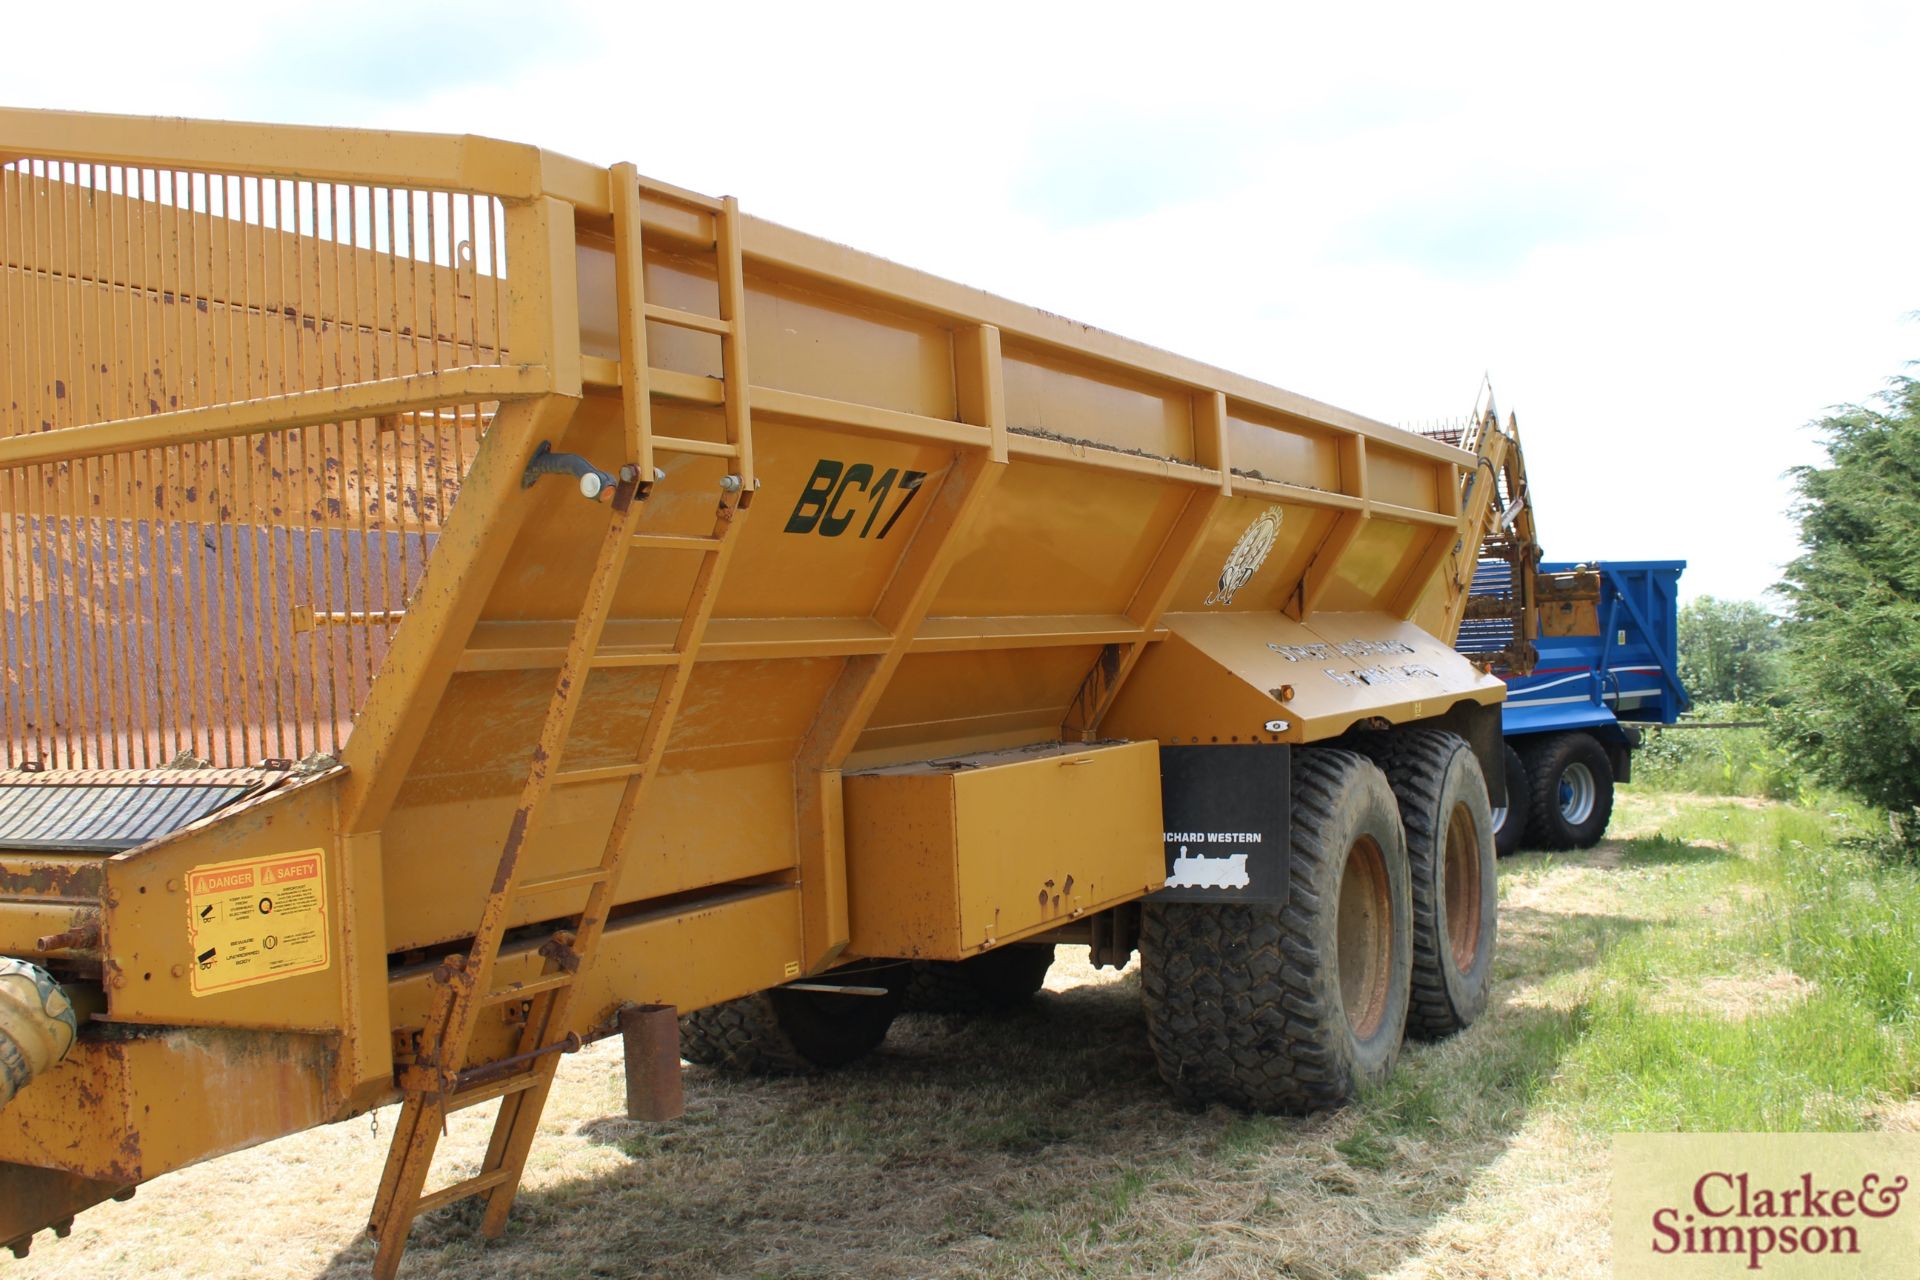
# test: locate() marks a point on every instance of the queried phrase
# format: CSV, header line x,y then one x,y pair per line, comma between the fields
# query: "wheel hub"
x,y
1364,937
1577,793
1461,869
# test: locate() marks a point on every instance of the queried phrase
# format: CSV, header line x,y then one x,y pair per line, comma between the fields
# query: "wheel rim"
x,y
1364,934
1499,819
1577,793
1462,888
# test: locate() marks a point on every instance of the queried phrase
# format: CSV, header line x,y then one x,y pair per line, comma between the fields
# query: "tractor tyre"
x,y
1450,858
992,982
1510,820
788,1033
1293,1008
1570,797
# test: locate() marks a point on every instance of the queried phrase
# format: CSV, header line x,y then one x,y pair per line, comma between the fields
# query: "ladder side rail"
x,y
465,979
731,275
630,302
519,1118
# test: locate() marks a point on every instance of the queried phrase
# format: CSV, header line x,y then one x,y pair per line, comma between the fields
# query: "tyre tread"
x,y
1545,759
1415,762
1233,1010
742,1035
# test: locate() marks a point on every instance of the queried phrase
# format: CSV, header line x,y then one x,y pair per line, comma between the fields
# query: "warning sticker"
x,y
257,920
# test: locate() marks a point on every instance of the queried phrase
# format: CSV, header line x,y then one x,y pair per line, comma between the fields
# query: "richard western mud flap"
x,y
1228,695
1227,811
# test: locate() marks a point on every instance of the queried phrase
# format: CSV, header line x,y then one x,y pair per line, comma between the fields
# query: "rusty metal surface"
x,y
51,875
650,1034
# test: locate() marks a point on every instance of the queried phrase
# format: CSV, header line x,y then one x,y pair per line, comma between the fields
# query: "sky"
x,y
1672,234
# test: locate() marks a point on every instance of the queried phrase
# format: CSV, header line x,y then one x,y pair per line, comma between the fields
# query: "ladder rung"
x,y
571,880
688,319
674,542
498,1087
531,987
461,1190
704,448
604,661
693,388
602,774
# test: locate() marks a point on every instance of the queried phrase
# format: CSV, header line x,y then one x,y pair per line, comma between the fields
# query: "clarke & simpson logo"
x,y
1787,1205
1726,1214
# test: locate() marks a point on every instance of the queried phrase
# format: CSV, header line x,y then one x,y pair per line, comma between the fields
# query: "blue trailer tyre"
x,y
1571,796
1443,805
1510,819
1293,1008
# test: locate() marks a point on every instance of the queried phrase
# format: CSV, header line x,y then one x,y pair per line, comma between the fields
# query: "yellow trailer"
x,y
460,602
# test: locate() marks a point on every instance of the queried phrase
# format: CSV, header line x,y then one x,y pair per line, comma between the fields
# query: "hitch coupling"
x,y
37,1025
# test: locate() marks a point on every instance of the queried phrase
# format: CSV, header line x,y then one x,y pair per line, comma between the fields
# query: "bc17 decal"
x,y
836,495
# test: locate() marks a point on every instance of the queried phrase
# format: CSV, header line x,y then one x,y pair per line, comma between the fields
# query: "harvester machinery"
x,y
460,602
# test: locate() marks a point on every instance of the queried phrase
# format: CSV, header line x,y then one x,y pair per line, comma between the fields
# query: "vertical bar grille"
x,y
229,600
134,291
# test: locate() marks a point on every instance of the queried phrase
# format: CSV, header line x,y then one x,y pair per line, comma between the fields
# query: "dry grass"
x,y
1733,998
1039,1144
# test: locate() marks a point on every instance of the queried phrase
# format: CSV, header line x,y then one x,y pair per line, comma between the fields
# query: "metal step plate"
x,y
108,812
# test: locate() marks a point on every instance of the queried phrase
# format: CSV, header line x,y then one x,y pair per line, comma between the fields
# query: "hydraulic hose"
x,y
37,1025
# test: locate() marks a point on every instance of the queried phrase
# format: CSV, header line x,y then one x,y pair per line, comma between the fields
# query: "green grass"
x,y
1774,987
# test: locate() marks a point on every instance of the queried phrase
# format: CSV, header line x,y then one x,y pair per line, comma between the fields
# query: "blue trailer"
x,y
1605,648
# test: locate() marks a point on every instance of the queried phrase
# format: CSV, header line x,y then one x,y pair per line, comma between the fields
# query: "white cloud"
x,y
1673,234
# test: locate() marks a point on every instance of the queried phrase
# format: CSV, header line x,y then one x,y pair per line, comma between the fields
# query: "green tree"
x,y
1852,648
1728,650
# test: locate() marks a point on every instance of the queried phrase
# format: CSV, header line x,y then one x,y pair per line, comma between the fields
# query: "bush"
x,y
1898,842
1852,654
1717,762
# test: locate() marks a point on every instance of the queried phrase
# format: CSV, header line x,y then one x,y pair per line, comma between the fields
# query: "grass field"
x,y
1720,963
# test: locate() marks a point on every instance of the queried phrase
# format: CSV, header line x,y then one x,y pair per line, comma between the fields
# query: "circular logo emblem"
x,y
1247,556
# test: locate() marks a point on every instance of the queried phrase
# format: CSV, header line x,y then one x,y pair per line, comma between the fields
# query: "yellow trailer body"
x,y
354,752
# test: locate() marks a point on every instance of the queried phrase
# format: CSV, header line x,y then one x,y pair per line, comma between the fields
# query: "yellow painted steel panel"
x,y
1404,481
148,939
1078,400
1242,677
1081,544
1301,533
939,703
690,956
1260,446
1373,564
952,857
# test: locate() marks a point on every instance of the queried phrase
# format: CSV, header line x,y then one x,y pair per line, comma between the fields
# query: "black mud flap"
x,y
1228,810
1480,726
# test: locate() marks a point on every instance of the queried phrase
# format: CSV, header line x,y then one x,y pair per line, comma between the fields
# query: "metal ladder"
x,y
438,1083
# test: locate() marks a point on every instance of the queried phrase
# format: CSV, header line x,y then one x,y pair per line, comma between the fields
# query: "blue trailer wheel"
x,y
1572,790
1576,793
